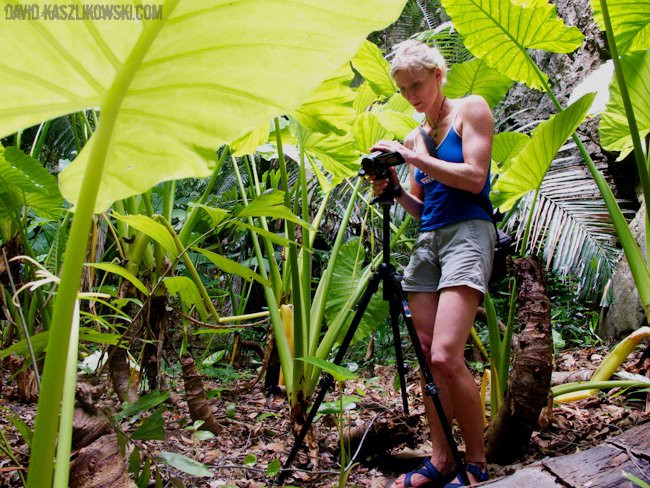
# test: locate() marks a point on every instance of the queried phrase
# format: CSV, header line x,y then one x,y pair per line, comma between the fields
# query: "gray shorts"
x,y
454,255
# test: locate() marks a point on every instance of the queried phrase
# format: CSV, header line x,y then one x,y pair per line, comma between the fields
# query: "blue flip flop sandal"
x,y
435,479
470,468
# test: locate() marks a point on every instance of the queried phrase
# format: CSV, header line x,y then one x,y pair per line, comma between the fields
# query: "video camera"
x,y
378,163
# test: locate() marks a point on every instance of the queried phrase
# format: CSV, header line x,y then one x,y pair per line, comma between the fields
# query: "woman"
x,y
452,258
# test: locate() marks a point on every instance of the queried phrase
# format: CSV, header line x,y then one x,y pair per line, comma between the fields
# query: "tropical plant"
x,y
120,70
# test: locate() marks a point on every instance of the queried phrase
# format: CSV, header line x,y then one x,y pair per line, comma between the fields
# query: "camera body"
x,y
378,163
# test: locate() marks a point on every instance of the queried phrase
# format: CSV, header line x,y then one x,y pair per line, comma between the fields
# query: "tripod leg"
x,y
395,308
430,387
372,288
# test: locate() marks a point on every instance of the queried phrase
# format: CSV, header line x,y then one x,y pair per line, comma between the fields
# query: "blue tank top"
x,y
444,205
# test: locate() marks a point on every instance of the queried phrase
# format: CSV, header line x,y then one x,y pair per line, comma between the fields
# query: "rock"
x,y
625,313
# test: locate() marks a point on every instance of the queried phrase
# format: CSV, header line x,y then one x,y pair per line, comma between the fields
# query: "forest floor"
x,y
255,429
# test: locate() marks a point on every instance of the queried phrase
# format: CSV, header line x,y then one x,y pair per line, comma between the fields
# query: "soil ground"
x,y
256,430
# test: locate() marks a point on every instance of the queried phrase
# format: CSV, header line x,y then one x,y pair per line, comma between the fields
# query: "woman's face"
x,y
419,87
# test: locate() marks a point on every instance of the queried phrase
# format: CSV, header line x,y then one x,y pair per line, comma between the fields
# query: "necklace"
x,y
435,127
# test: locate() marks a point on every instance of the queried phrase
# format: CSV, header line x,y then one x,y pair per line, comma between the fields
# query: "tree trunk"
x,y
100,465
195,396
530,375
118,365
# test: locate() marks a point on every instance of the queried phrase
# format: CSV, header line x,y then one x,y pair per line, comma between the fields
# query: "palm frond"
x,y
571,227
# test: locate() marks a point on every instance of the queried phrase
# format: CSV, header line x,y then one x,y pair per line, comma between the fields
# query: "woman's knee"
x,y
446,363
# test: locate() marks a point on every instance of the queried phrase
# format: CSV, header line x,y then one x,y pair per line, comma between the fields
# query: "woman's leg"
x,y
423,308
454,318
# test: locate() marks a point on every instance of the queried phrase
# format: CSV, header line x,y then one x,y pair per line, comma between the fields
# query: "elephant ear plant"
x,y
169,91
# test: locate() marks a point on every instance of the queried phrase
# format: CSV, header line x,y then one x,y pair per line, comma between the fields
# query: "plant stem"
x,y
301,337
62,470
286,358
45,432
627,103
524,245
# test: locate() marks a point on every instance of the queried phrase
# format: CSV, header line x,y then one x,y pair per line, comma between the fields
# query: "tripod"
x,y
394,295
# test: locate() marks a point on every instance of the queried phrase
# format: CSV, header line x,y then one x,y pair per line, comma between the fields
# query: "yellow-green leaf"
x,y
507,145
614,129
364,97
500,32
475,77
529,166
329,107
249,142
630,23
368,130
396,123
370,62
199,77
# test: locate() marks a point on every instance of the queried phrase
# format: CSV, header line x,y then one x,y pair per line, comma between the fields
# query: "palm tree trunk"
x,y
530,377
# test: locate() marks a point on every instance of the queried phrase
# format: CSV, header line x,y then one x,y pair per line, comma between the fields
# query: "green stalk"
x,y
45,432
77,143
193,214
638,266
276,278
595,385
286,358
300,336
64,444
627,103
320,297
524,247
506,343
169,188
39,139
306,251
17,137
191,270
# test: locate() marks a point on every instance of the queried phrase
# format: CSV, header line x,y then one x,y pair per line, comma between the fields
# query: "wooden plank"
x,y
528,477
636,439
599,467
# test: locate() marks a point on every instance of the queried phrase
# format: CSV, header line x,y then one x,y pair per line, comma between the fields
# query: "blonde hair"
x,y
416,55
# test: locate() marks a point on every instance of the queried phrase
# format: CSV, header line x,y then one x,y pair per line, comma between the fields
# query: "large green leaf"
x,y
375,69
629,22
368,130
476,78
614,129
338,154
506,146
396,123
364,97
500,32
529,166
347,274
203,75
187,291
249,142
26,182
329,107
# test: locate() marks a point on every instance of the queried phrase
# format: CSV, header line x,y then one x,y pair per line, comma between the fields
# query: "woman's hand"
x,y
394,146
379,185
